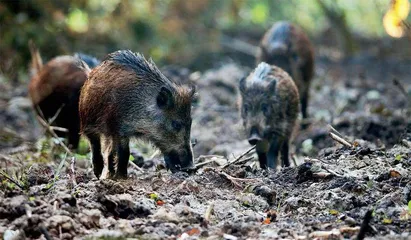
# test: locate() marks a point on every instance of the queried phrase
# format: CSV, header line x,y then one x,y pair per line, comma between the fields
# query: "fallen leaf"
x,y
387,221
153,196
193,231
160,202
267,221
395,174
334,212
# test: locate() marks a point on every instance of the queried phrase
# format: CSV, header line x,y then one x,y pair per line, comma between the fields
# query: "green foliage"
x,y
169,31
77,21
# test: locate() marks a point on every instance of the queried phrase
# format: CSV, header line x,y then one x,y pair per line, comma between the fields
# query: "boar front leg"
x,y
123,155
275,147
284,154
262,149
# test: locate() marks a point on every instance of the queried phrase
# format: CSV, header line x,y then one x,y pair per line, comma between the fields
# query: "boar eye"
x,y
177,126
246,108
264,108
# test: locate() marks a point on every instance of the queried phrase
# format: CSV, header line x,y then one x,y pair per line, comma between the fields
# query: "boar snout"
x,y
179,160
254,137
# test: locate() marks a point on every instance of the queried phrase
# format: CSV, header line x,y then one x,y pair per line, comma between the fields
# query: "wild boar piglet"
x,y
55,90
286,46
127,96
269,106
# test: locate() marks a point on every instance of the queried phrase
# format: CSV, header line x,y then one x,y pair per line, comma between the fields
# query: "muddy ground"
x,y
49,194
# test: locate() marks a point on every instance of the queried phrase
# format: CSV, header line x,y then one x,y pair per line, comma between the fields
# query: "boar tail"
x,y
36,62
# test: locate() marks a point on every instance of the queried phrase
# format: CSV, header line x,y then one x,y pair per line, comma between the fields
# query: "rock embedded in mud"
x,y
123,206
65,222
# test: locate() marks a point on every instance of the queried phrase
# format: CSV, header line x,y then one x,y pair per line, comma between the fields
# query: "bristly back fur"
x,y
90,60
135,61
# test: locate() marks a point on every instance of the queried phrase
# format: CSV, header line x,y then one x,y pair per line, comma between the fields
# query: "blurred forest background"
x,y
195,34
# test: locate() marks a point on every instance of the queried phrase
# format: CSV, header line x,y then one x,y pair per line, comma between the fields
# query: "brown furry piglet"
x,y
127,96
269,106
288,47
55,90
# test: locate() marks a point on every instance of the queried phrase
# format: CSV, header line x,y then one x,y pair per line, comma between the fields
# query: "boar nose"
x,y
186,159
254,136
253,140
179,160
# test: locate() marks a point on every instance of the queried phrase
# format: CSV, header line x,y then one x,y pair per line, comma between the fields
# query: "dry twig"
x,y
239,157
208,212
135,166
73,171
48,128
340,140
235,180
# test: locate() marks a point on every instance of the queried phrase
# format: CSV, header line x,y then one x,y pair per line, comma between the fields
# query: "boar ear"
x,y
192,91
272,86
242,84
165,98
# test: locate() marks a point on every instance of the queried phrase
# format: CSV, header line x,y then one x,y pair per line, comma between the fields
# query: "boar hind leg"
x,y
123,155
109,155
284,154
272,156
74,137
98,162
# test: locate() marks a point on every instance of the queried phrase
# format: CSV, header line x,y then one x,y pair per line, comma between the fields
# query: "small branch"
x,y
400,86
235,180
340,140
73,171
50,130
245,160
135,166
59,129
239,157
204,163
56,114
208,212
333,130
156,152
332,172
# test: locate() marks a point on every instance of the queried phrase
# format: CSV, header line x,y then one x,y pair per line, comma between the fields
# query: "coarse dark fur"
x,y
127,96
91,61
269,106
288,47
56,87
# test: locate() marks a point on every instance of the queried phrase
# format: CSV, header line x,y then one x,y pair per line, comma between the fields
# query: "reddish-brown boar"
x,y
127,96
288,47
56,86
269,106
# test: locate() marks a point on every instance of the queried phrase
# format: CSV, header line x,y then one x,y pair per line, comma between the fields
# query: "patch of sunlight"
x,y
77,21
259,13
392,20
